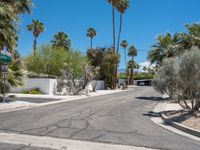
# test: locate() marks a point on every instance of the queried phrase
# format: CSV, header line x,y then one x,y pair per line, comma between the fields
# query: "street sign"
x,y
5,57
4,68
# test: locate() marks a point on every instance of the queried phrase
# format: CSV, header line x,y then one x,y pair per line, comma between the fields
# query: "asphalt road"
x,y
120,118
4,146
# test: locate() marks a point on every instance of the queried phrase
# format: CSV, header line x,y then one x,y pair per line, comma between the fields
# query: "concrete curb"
x,y
179,126
63,100
159,108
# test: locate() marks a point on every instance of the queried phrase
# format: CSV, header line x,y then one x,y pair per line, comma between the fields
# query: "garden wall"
x,y
47,86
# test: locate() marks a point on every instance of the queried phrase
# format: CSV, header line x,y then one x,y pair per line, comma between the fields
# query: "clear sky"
x,y
143,21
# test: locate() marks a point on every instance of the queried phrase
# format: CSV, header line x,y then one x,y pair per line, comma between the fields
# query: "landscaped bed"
x,y
185,118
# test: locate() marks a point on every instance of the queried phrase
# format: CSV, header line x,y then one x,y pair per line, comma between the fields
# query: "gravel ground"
x,y
182,117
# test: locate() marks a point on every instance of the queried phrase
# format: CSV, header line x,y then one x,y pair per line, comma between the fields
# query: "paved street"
x,y
120,118
4,146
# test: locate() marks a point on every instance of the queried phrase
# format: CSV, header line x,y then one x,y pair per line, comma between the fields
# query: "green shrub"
x,y
141,77
32,91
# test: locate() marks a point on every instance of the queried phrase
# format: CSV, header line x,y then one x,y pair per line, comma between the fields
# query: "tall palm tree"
x,y
124,45
36,27
114,4
61,39
132,53
122,6
91,33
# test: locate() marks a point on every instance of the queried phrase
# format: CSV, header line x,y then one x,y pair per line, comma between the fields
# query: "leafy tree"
x,y
132,53
107,67
76,67
91,33
103,58
61,39
37,28
47,61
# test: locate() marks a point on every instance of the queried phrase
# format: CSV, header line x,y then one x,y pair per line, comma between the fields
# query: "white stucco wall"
x,y
47,86
100,85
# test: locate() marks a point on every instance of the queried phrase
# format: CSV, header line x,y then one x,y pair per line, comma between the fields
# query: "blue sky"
x,y
143,21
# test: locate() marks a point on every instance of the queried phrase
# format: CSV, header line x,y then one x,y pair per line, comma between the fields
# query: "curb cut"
x,y
179,126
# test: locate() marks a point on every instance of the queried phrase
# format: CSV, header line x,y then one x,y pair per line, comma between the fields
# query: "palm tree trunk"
x,y
120,30
91,43
34,45
131,76
114,78
125,58
113,24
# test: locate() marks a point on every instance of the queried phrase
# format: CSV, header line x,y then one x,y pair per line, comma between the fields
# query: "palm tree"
x,y
137,66
61,39
132,53
194,33
91,33
145,69
9,15
114,4
121,7
124,45
36,27
166,46
14,76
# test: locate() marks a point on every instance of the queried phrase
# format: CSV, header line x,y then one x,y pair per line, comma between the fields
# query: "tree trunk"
x,y
120,30
114,76
131,76
34,45
118,42
91,43
113,24
125,58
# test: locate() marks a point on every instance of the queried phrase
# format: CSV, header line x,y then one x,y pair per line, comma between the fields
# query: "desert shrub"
x,y
76,67
47,61
32,91
143,76
179,78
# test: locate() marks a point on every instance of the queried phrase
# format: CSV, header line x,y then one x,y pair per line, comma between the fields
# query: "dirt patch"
x,y
185,118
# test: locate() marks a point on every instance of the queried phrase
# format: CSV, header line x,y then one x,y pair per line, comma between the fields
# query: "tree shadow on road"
x,y
150,98
152,114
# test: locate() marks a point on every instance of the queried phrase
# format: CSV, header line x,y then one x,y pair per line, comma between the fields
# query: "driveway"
x,y
120,118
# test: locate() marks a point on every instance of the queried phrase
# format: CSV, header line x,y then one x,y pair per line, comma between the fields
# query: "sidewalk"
x,y
25,101
171,125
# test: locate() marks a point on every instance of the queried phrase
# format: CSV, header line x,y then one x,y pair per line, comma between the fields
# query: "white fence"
x,y
47,86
